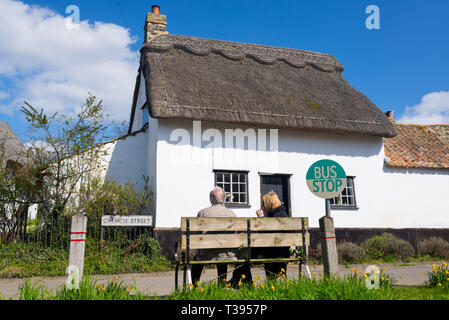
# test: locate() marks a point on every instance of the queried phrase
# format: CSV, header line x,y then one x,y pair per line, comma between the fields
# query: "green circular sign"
x,y
326,179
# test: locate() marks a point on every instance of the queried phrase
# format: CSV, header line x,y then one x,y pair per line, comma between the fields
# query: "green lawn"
x,y
349,288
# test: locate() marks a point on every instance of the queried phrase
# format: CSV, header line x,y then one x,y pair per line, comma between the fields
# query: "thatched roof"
x,y
202,79
11,148
419,146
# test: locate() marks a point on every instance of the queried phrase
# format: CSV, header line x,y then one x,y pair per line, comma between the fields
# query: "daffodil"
x,y
272,288
243,277
439,284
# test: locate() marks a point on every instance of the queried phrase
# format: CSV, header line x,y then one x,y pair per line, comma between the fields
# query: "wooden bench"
x,y
240,233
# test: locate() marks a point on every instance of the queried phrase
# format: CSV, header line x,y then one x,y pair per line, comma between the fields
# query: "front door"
x,y
279,183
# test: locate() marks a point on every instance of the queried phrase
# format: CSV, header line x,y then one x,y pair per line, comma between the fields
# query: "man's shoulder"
x,y
216,211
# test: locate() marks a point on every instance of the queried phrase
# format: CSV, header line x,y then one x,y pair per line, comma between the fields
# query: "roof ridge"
x,y
263,54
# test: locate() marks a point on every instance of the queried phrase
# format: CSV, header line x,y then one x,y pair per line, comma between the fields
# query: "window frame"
x,y
352,207
231,204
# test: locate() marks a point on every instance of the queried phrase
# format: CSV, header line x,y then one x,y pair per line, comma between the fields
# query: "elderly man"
x,y
217,199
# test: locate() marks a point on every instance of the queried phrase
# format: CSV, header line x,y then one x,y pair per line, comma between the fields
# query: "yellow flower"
x,y
224,279
198,283
447,279
272,288
282,270
243,277
228,285
422,273
261,284
255,285
439,284
382,279
202,289
366,276
191,285
116,278
445,264
215,277
240,283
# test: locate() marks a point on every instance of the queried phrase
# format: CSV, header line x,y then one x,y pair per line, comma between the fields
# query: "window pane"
x,y
243,198
235,187
227,187
242,187
235,177
219,177
349,182
242,177
236,197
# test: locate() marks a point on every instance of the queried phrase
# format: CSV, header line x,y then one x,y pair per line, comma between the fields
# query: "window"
x,y
346,200
235,184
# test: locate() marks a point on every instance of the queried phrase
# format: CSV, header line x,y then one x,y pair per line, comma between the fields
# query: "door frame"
x,y
284,175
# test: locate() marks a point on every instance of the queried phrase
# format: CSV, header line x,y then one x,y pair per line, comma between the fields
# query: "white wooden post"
x,y
77,246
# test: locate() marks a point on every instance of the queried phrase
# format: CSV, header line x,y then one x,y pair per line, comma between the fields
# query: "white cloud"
x,y
51,66
433,109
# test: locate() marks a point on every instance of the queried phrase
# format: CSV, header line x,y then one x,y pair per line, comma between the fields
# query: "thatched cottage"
x,y
253,118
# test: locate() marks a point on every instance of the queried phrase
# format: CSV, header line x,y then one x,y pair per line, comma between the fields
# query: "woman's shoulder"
x,y
279,212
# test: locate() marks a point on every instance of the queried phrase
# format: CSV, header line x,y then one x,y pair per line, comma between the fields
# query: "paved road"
x,y
162,283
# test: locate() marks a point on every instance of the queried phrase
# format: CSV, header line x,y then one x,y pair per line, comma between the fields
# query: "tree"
x,y
66,153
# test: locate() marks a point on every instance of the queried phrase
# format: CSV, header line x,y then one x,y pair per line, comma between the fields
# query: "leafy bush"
x,y
435,247
349,252
388,246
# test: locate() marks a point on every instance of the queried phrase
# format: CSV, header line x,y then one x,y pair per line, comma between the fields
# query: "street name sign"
x,y
126,221
326,179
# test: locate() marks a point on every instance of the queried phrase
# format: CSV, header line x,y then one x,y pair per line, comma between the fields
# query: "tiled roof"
x,y
418,146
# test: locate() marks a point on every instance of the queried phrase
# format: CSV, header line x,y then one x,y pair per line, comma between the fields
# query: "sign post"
x,y
327,179
77,246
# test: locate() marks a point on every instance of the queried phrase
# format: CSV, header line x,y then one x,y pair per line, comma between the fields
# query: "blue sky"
x,y
403,66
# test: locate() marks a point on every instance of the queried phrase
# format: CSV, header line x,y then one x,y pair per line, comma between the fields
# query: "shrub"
x,y
387,246
349,252
435,247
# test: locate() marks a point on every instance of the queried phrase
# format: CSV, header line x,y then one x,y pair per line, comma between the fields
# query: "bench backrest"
x,y
216,233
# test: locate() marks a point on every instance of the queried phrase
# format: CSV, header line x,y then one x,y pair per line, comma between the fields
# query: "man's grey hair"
x,y
217,196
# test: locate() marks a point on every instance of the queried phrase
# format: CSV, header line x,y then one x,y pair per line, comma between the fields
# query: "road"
x,y
162,283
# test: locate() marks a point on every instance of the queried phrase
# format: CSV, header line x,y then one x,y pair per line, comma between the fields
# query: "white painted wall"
x,y
127,160
385,197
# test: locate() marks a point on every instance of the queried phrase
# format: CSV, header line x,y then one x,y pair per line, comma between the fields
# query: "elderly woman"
x,y
272,207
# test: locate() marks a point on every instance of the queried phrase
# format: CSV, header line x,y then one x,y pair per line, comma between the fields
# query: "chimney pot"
x,y
155,9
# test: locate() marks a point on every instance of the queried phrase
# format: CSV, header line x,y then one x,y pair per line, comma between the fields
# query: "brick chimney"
x,y
389,114
155,24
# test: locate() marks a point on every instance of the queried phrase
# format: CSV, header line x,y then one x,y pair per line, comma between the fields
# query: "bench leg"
x,y
184,277
176,276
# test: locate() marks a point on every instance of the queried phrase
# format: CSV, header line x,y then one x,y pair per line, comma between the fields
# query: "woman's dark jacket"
x,y
273,252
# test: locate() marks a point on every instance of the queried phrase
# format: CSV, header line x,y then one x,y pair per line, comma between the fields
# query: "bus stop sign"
x,y
326,179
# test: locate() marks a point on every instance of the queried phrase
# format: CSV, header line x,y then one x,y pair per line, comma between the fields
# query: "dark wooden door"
x,y
279,183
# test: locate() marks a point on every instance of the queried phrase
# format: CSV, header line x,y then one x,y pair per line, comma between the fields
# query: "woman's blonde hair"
x,y
271,201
